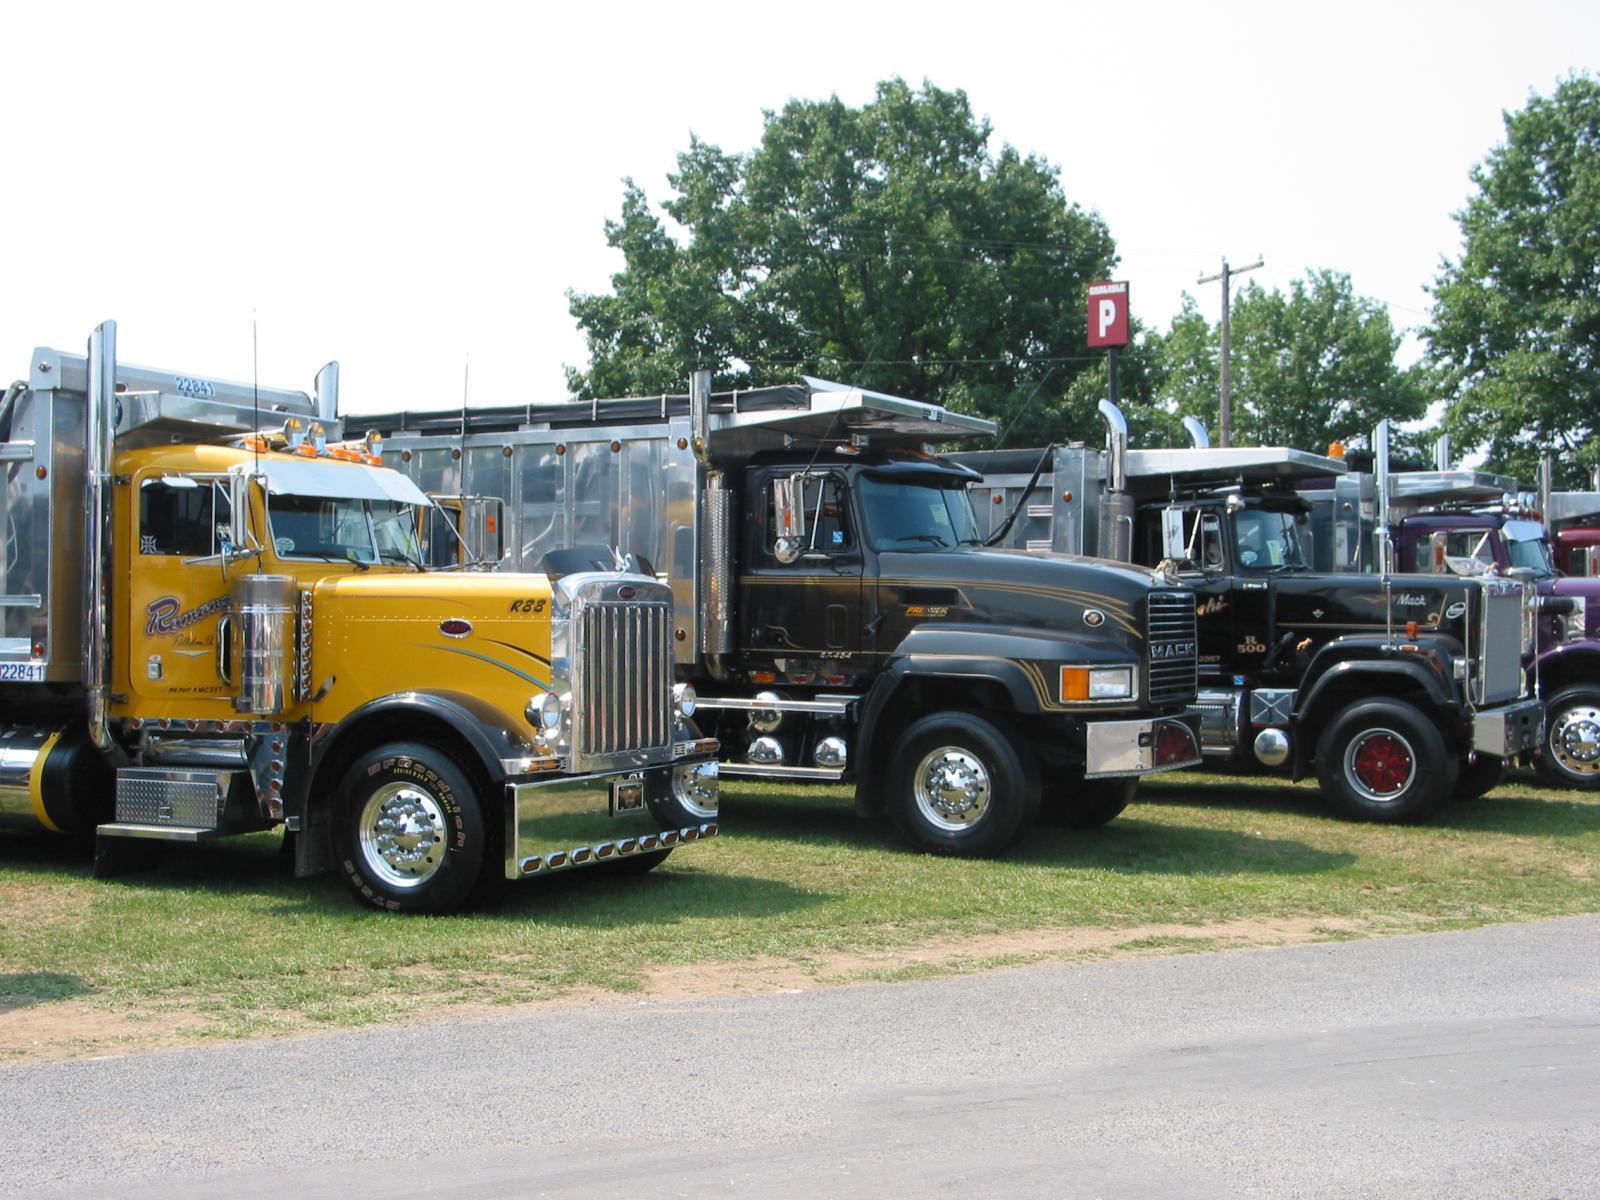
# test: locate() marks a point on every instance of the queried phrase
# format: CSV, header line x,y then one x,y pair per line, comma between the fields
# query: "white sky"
x,y
402,185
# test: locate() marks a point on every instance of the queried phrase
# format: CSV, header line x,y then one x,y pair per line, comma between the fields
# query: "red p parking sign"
x,y
1108,314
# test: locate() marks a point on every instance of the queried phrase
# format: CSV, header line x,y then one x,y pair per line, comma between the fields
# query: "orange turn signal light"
x,y
1074,683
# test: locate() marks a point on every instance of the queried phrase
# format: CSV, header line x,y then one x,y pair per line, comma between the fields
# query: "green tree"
x,y
885,245
1516,320
1310,366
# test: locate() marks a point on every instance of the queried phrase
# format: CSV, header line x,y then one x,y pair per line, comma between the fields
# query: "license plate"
x,y
627,795
28,672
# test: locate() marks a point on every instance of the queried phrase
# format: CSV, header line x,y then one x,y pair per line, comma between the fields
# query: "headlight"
x,y
544,712
683,699
1111,683
1096,683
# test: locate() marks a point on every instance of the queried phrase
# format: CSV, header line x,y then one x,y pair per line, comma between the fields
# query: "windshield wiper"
x,y
392,554
934,538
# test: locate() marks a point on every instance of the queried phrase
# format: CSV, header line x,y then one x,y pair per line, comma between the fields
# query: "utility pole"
x,y
1225,411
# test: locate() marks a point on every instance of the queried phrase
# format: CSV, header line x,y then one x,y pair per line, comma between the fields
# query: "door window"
x,y
183,516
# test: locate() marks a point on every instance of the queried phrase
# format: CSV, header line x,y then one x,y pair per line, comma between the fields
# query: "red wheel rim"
x,y
1381,763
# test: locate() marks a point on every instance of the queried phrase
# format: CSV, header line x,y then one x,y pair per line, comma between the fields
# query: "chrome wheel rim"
x,y
695,786
952,788
402,835
1380,765
1574,740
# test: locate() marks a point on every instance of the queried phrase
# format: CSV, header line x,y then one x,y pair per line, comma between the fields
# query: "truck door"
x,y
800,592
176,603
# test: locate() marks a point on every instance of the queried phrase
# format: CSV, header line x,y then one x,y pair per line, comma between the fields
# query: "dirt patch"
x,y
996,950
82,1028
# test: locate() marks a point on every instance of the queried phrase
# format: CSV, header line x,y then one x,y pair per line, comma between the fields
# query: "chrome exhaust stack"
x,y
327,393
1441,453
715,531
1199,439
1116,512
99,443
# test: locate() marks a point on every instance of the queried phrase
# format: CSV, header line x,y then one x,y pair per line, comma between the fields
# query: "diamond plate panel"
x,y
193,799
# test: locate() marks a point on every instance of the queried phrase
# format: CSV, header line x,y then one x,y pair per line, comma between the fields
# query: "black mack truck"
x,y
837,611
1397,691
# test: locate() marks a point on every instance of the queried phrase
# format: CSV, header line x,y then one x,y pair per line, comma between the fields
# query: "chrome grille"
x,y
1500,643
1174,648
622,682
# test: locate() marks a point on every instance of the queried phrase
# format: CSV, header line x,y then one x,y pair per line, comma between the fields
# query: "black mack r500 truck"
x,y
1395,690
836,609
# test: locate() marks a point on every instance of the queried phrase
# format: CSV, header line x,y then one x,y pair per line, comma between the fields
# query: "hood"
x,y
482,635
1021,588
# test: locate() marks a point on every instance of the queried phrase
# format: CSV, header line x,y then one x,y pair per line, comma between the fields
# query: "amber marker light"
x,y
1074,683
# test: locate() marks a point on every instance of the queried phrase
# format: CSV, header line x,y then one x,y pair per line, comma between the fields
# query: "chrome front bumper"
x,y
1508,730
1113,748
557,822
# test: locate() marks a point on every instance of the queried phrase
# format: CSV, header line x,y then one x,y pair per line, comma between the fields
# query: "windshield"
x,y
916,516
1267,540
343,529
1526,546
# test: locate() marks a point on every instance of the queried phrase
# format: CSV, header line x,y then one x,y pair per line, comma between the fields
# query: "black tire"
x,y
637,864
674,800
420,784
990,785
1087,803
1480,778
1383,760
1570,755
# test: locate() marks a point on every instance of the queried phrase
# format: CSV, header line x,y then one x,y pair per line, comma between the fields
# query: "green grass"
x,y
225,939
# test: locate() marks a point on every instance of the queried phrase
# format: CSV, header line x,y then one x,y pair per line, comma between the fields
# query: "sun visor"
x,y
338,480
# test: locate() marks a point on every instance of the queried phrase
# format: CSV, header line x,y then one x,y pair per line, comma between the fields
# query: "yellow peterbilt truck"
x,y
216,620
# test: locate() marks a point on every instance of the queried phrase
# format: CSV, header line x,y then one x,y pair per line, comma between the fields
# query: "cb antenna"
x,y
466,383
255,388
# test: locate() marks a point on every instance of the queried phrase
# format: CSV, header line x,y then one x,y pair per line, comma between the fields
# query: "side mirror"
x,y
1211,542
1172,533
789,510
1438,542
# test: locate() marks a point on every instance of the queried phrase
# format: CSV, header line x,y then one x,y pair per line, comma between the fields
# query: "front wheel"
x,y
1087,803
1383,760
962,783
409,830
1570,756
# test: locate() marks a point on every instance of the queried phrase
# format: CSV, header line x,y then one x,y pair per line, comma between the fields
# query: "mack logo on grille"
x,y
1172,650
625,592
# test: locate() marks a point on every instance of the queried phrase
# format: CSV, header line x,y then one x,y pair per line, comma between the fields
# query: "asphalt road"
x,y
1456,1065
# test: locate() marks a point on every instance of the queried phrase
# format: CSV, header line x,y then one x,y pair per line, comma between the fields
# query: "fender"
x,y
483,727
1392,668
1571,662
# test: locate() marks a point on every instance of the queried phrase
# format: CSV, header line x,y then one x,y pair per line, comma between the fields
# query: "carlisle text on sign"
x,y
1108,314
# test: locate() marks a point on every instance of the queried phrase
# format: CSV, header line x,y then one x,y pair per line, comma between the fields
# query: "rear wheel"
x,y
1383,760
1479,778
1087,803
409,830
1570,756
962,783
